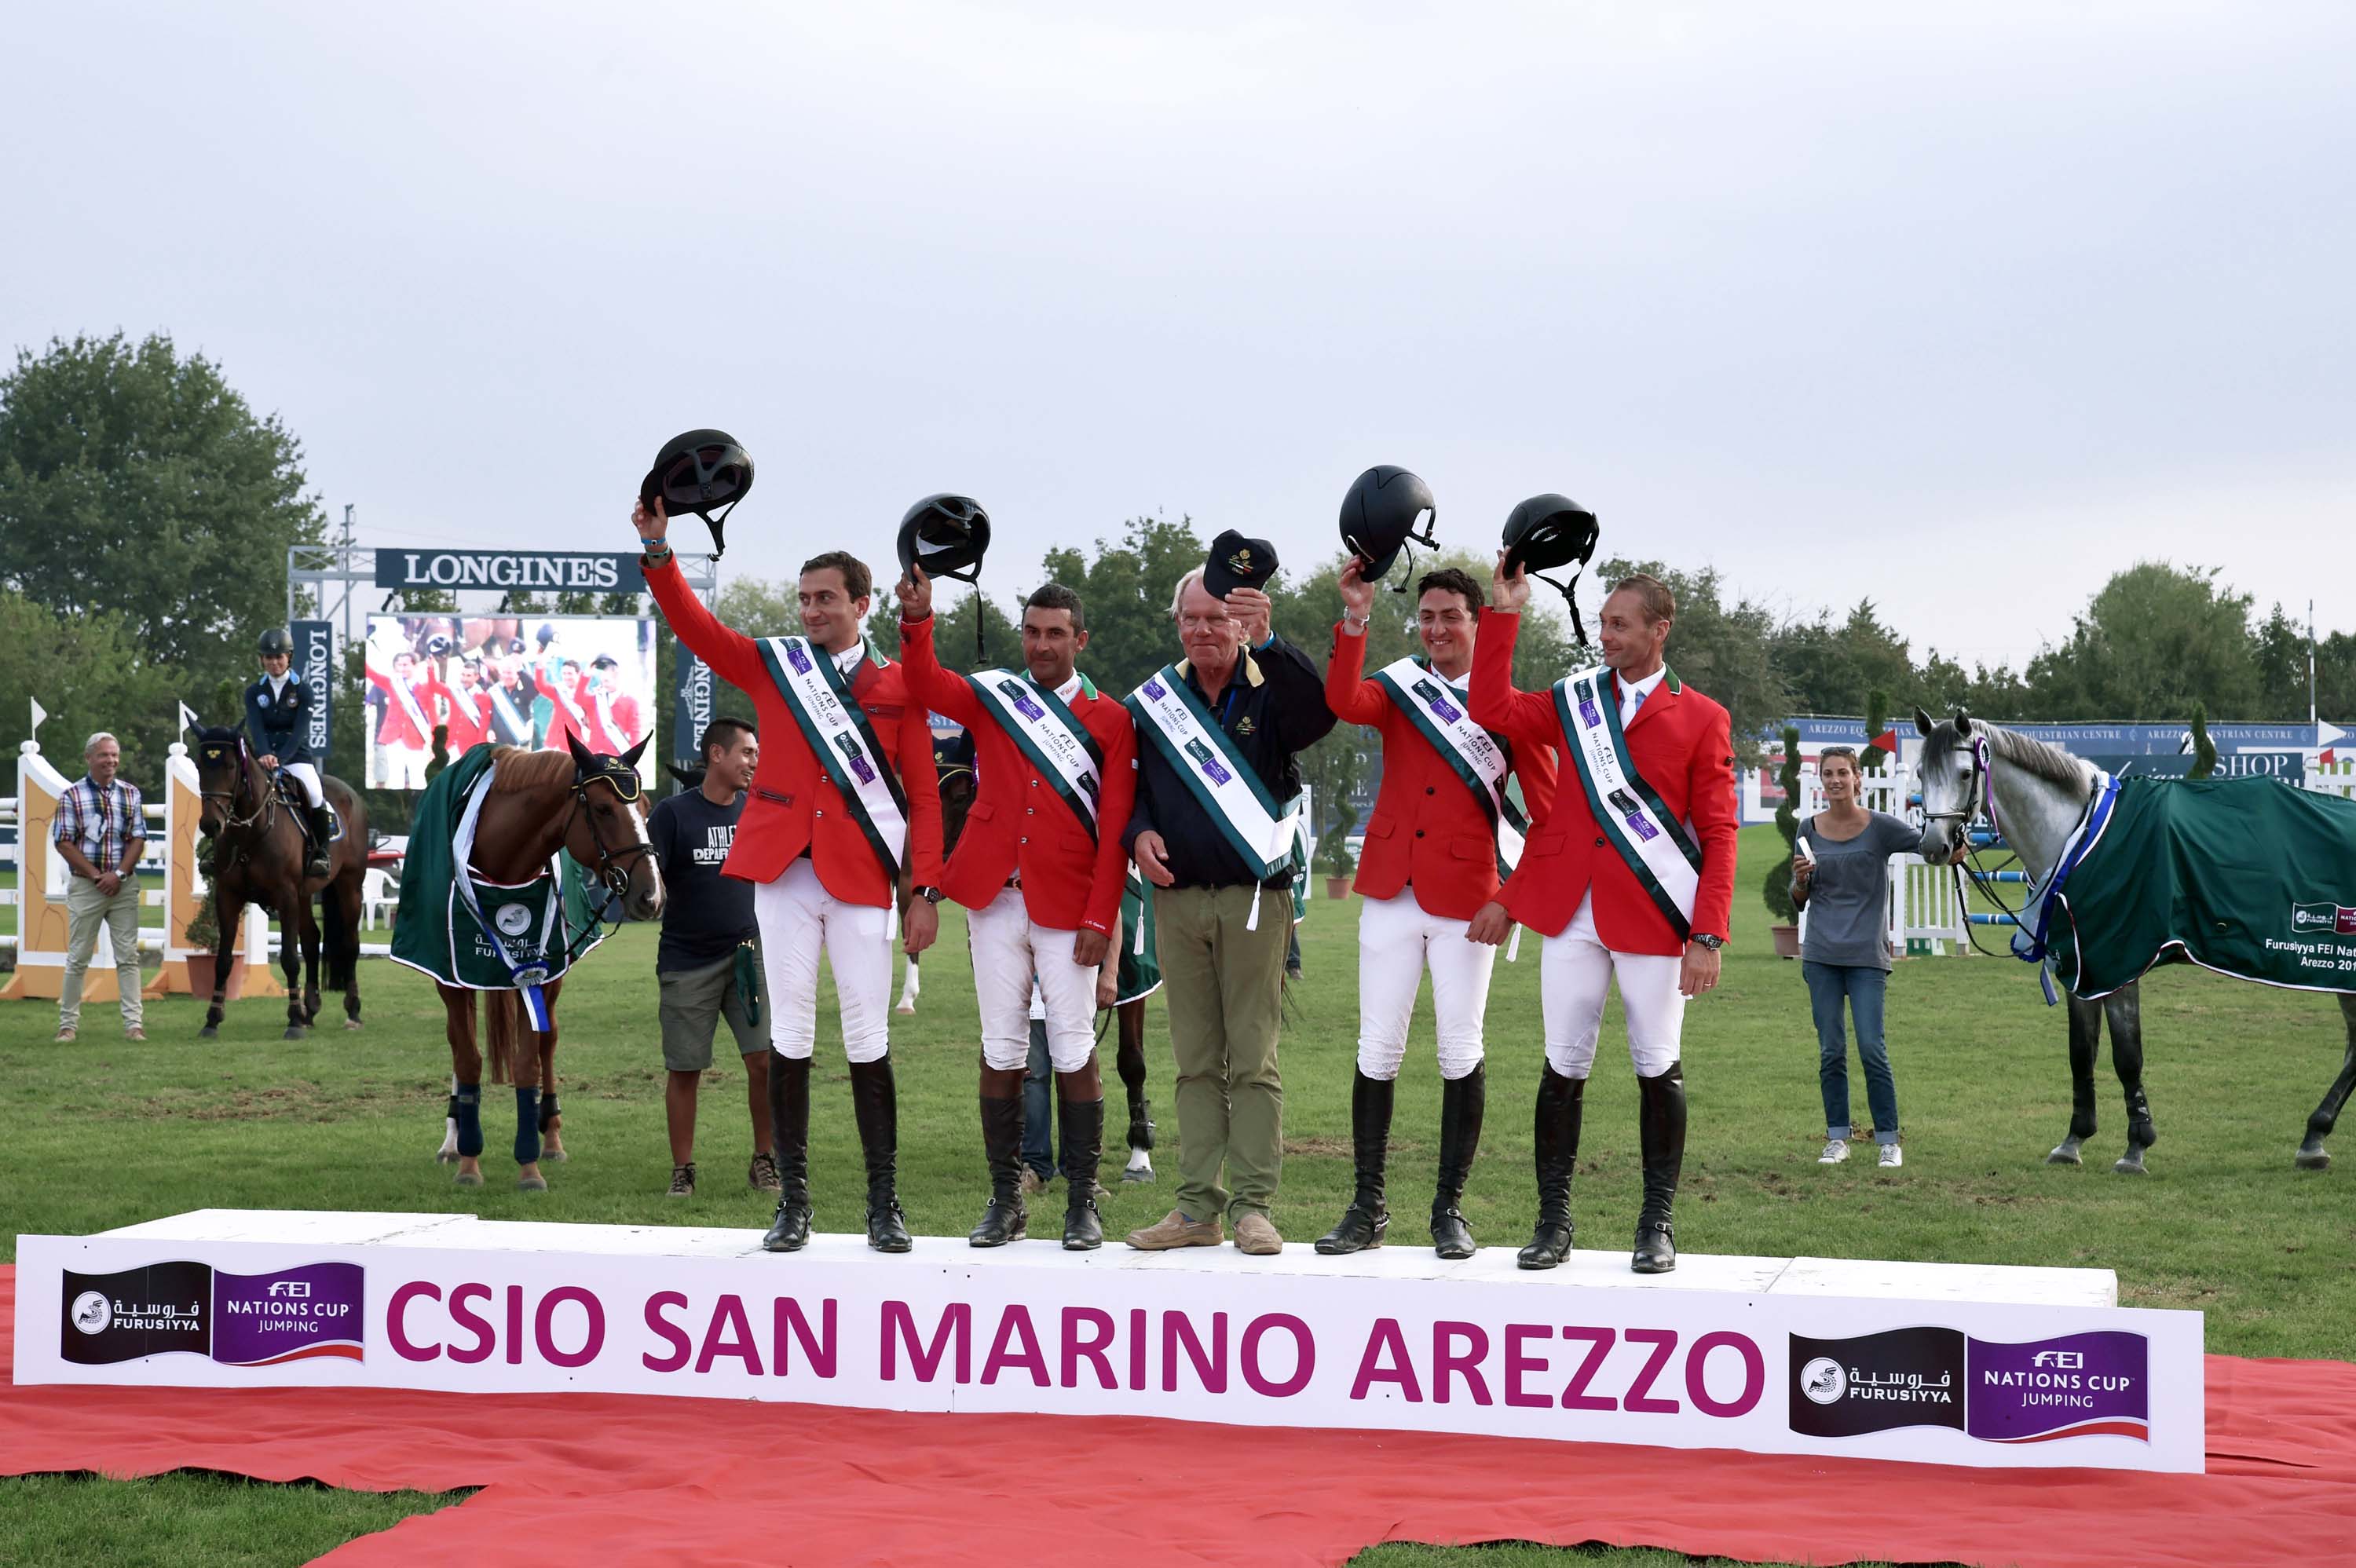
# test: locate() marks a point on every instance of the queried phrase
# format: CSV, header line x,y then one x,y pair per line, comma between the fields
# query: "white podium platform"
x,y
1935,1363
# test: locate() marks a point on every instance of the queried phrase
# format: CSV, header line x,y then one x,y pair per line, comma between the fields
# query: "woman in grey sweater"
x,y
1840,875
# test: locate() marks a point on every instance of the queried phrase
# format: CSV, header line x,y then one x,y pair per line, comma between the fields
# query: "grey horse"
x,y
2041,793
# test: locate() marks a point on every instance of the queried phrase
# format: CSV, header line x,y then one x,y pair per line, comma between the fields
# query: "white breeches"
x,y
1009,950
1573,975
307,775
797,917
1397,941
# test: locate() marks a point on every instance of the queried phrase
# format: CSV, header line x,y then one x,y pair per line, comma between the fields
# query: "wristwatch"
x,y
1707,940
931,895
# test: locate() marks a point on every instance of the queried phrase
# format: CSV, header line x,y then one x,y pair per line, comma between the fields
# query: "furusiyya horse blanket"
x,y
451,935
2250,877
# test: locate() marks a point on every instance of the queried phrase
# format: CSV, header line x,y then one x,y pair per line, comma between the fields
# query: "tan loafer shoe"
x,y
134,1032
1174,1229
65,1037
1257,1237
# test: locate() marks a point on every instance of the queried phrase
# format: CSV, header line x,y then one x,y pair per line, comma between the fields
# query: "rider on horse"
x,y
275,706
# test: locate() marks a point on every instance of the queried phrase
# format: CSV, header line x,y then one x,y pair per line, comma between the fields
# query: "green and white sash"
x,y
602,702
1655,845
1050,735
1169,715
837,728
1473,754
572,709
514,727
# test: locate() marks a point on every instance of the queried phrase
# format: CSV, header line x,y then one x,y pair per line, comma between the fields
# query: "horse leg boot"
x,y
467,1105
526,1138
875,1101
789,1133
1561,1101
1131,1060
1005,1220
1083,1122
1362,1224
1661,1129
1461,1102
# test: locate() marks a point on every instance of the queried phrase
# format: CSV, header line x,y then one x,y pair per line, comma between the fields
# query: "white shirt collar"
x,y
847,661
1644,688
1067,693
279,683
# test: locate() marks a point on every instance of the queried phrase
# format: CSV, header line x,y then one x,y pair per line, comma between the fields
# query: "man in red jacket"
x,y
1040,867
1442,834
470,709
1631,877
824,836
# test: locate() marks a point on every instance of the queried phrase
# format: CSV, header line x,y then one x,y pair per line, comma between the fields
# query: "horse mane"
x,y
519,770
2043,760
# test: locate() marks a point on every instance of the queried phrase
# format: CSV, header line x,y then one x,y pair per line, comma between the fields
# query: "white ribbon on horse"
x,y
530,977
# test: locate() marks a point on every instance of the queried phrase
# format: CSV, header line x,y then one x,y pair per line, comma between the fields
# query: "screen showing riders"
x,y
275,710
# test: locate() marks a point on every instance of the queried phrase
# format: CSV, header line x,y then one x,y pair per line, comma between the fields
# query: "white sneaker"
x,y
1890,1158
1836,1151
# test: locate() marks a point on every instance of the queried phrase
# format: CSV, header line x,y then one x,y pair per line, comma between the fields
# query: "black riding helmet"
x,y
697,471
276,641
947,534
1551,530
1379,516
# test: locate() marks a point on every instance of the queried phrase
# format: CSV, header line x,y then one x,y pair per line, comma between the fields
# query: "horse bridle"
x,y
267,805
613,866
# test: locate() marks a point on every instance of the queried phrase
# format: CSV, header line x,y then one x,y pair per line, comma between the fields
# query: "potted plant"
x,y
1333,850
1778,890
205,935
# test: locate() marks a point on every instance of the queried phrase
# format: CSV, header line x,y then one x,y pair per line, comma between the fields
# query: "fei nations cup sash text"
x,y
1477,757
1050,735
1655,845
836,730
1199,750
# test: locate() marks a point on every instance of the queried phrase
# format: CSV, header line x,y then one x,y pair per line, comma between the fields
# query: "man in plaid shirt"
x,y
99,832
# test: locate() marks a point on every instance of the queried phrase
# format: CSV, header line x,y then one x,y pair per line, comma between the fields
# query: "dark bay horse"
x,y
592,808
258,859
2038,795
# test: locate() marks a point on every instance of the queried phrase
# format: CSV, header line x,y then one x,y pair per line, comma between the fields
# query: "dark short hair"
x,y
1660,604
1450,579
1055,596
857,581
722,732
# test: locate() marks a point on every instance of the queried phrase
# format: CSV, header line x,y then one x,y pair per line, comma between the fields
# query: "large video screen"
x,y
512,680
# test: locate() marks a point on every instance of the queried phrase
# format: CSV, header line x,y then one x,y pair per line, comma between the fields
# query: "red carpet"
x,y
613,1480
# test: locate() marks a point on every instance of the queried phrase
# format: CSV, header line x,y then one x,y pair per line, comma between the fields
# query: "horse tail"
x,y
340,941
502,1011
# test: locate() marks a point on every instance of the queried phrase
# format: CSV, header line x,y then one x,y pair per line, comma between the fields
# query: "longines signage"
x,y
593,571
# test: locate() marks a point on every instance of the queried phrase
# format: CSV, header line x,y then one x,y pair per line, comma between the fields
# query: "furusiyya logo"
x,y
514,920
239,1320
2323,919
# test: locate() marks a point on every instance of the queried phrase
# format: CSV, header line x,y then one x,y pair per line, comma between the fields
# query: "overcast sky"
x,y
1959,310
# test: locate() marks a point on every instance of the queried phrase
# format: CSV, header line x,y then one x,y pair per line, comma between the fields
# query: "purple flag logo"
x,y
2079,1385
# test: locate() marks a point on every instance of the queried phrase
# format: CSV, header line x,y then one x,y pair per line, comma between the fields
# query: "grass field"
x,y
105,1133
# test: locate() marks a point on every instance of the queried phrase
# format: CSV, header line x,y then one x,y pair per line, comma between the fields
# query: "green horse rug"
x,y
482,935
2250,877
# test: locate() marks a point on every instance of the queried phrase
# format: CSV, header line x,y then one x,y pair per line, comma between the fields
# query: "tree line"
x,y
146,511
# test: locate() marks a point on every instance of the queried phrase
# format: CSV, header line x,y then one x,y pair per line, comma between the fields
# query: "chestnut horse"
x,y
258,859
590,807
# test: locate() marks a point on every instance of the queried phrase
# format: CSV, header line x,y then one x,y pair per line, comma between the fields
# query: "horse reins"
x,y
1968,866
265,810
612,866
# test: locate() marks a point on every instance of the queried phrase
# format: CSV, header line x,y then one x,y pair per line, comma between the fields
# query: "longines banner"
x,y
314,661
559,571
691,694
1764,1354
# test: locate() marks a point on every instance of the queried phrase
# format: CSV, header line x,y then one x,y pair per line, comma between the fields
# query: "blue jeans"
x,y
1039,1106
1863,985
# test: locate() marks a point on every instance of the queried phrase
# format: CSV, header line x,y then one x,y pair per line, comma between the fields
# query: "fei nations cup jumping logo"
x,y
237,1320
2077,1385
2322,920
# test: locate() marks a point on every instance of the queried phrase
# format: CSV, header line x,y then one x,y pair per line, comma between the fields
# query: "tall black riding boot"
x,y
1461,1102
875,1102
1365,1221
319,864
789,1131
1560,1101
1083,1133
1661,1127
1005,1220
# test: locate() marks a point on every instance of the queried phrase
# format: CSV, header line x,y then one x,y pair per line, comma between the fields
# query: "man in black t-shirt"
x,y
710,957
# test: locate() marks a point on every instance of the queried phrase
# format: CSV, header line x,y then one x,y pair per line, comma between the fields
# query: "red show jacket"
x,y
1426,831
1680,740
470,718
396,729
1019,822
560,717
793,804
